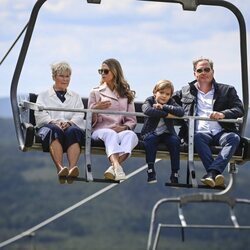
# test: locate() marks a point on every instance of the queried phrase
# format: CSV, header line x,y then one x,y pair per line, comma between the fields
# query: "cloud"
x,y
152,41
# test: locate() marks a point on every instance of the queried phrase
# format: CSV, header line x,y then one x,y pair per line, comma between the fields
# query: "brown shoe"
x,y
73,173
62,174
219,180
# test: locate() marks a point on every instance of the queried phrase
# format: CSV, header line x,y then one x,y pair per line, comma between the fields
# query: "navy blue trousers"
x,y
173,145
71,135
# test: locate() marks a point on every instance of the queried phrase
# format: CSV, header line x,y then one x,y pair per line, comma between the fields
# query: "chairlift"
x,y
182,202
25,123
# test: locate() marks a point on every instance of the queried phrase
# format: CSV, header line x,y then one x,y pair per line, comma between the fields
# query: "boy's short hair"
x,y
163,84
59,68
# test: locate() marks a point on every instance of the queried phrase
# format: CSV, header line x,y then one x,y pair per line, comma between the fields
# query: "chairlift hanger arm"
x,y
192,5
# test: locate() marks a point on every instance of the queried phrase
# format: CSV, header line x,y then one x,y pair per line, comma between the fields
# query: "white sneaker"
x,y
119,173
109,173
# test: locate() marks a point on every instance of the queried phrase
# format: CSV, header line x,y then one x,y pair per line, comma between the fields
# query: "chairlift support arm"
x,y
192,5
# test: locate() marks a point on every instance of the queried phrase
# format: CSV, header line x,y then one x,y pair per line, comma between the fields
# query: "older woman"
x,y
61,131
115,131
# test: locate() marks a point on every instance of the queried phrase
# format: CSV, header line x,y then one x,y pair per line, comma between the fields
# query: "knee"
x,y
234,139
176,141
198,138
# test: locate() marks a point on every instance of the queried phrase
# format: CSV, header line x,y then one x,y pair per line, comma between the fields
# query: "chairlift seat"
x,y
33,141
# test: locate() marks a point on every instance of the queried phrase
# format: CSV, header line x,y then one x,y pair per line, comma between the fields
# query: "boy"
x,y
157,128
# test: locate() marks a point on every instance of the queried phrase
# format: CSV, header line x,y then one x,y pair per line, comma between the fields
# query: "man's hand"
x,y
217,115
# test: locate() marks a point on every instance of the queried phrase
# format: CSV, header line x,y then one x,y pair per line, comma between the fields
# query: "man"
x,y
205,97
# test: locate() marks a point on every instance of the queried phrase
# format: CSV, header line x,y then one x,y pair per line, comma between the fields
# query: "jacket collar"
x,y
193,88
52,92
105,90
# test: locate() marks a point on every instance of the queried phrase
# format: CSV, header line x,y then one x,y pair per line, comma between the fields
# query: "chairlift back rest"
x,y
32,141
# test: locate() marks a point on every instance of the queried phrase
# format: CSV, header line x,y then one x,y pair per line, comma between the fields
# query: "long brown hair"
x,y
121,85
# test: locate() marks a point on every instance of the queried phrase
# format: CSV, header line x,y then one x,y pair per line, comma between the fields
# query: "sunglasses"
x,y
103,71
207,70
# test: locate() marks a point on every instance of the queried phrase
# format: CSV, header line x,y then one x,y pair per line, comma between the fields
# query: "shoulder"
x,y
73,93
47,92
150,99
223,86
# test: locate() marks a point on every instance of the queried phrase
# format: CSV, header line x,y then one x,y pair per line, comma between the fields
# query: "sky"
x,y
152,41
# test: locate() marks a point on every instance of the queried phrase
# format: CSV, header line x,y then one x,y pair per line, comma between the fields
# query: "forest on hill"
x,y
118,219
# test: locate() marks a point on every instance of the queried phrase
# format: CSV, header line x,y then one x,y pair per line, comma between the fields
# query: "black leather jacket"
x,y
154,115
225,100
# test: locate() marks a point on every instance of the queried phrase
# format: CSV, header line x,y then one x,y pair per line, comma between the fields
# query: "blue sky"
x,y
152,41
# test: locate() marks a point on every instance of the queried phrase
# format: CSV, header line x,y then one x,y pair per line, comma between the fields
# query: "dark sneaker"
x,y
151,176
174,178
219,180
208,179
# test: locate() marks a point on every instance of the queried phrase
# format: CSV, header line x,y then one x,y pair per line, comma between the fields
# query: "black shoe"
x,y
208,179
151,176
174,178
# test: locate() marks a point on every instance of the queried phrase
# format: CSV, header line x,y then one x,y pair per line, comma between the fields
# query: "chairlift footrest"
x,y
182,185
85,179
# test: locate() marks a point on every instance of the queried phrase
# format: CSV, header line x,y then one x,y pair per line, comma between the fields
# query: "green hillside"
x,y
118,219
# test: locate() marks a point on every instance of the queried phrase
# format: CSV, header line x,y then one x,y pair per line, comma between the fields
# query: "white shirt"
x,y
204,109
49,98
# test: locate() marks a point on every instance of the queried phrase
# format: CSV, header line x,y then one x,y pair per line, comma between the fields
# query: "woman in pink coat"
x,y
116,131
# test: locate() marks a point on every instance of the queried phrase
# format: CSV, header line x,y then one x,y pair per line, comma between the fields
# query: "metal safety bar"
x,y
154,232
89,113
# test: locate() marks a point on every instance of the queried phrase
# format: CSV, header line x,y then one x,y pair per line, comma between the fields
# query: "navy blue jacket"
x,y
225,100
154,115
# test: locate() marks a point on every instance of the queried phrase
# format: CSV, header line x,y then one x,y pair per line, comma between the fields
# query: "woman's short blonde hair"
x,y
163,84
60,68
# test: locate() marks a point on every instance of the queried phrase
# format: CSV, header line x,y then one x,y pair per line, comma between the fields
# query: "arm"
x,y
235,107
92,105
42,117
130,121
78,118
149,110
173,108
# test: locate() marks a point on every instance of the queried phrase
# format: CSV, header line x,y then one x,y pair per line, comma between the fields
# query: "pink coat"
x,y
103,93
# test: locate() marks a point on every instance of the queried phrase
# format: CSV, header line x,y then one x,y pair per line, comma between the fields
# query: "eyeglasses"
x,y
103,71
207,70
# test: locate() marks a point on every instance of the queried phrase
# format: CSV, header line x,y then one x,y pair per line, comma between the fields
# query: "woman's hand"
x,y
119,128
61,124
102,105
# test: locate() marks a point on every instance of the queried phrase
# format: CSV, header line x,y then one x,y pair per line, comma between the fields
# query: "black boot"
x,y
174,177
151,174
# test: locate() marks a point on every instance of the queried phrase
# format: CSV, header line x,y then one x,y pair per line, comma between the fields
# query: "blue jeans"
x,y
171,141
229,142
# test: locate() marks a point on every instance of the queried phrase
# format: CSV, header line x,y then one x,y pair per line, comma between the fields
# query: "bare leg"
x,y
122,158
56,152
114,159
73,154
